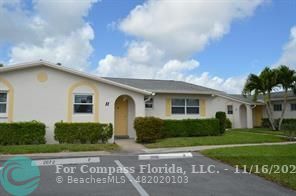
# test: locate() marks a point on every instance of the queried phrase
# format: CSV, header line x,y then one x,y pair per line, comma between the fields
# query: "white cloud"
x,y
168,33
52,31
162,68
184,27
288,56
230,85
73,50
175,69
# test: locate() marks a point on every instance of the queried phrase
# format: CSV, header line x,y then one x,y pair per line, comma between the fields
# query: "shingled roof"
x,y
164,86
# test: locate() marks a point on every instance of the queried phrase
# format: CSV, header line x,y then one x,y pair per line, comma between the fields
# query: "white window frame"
x,y
229,110
74,103
292,108
149,101
186,106
6,103
277,104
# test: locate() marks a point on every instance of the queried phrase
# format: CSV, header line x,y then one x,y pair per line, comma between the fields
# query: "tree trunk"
x,y
269,115
283,110
269,112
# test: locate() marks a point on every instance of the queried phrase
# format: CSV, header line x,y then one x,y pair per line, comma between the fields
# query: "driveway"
x,y
149,177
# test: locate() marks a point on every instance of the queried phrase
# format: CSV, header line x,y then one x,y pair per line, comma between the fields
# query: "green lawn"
x,y
261,130
51,148
230,137
260,155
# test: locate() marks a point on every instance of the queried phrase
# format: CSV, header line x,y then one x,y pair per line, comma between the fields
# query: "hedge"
x,y
148,129
228,123
190,128
82,132
20,133
287,124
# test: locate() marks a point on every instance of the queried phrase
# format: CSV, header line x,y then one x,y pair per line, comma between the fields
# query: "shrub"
x,y
19,133
107,133
265,123
289,127
148,129
190,128
82,132
288,123
221,116
228,123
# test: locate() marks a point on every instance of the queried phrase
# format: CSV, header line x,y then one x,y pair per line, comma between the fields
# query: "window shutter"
x,y
168,105
202,107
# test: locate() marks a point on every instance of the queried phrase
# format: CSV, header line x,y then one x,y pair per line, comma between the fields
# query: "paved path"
x,y
199,148
4,157
130,146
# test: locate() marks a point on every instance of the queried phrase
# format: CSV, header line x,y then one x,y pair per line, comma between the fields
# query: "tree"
x,y
1,65
262,85
286,78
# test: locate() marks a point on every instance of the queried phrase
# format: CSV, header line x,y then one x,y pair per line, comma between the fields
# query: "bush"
x,y
190,128
148,129
289,127
221,116
265,123
82,132
228,123
107,133
288,123
19,133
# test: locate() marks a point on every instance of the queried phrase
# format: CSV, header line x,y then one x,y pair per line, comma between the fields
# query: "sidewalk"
x,y
199,148
4,157
130,146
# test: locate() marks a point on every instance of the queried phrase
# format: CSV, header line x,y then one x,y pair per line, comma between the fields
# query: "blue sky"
x,y
214,43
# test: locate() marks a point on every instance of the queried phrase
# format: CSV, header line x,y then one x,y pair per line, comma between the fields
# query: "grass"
x,y
230,137
260,155
52,148
261,130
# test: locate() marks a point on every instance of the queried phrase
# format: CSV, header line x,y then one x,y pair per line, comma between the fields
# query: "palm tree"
x,y
262,85
287,80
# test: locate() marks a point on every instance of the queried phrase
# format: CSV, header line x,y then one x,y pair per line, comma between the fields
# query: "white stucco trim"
x,y
240,101
72,71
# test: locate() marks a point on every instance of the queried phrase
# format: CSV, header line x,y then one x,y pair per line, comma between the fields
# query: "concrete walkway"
x,y
199,148
130,146
4,157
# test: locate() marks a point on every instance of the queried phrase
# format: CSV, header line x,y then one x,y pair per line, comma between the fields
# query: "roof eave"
x,y
182,92
72,71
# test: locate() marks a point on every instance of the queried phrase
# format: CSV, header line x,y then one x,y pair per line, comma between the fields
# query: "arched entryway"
x,y
243,115
124,117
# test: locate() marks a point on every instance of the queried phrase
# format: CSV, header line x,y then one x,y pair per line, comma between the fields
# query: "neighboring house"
x,y
51,93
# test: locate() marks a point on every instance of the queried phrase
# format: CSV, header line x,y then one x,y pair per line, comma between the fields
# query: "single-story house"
x,y
52,93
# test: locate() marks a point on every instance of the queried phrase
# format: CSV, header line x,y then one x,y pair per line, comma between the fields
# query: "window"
x,y
229,109
3,102
148,102
293,106
277,107
192,106
83,103
185,106
178,106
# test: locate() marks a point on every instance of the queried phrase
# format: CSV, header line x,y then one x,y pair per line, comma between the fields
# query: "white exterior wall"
x,y
213,105
159,106
48,101
288,113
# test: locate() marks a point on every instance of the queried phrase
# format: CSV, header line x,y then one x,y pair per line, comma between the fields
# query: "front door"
x,y
258,112
121,117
